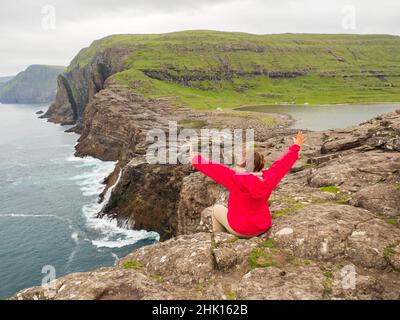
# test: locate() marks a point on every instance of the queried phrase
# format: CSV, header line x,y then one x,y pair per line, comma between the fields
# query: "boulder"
x,y
381,199
373,244
318,231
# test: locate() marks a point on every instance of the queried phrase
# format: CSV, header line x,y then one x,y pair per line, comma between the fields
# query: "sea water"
x,y
49,202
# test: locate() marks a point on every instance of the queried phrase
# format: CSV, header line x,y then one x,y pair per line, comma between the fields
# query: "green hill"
x,y
210,69
37,84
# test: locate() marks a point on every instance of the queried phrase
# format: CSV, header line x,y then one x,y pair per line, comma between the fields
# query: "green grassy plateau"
x,y
210,69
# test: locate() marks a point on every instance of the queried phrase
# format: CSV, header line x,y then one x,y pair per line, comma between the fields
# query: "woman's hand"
x,y
299,139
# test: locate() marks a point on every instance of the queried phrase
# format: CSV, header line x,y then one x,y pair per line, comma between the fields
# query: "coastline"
x,y
255,268
81,181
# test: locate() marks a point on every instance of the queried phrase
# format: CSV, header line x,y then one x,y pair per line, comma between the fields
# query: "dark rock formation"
x,y
77,86
222,72
147,197
114,127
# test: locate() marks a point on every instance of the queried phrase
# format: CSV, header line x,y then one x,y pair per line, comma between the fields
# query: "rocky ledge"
x,y
336,216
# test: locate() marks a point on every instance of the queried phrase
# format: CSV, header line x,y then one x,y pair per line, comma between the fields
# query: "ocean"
x,y
48,204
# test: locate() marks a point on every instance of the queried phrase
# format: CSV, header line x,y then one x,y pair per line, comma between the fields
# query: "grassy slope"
x,y
327,59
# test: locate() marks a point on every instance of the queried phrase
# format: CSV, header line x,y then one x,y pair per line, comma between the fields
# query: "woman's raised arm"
x,y
282,166
216,171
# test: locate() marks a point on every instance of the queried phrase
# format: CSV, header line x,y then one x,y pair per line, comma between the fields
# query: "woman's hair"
x,y
258,161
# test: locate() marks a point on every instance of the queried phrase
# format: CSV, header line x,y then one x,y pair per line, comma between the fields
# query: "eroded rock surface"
x,y
220,266
336,214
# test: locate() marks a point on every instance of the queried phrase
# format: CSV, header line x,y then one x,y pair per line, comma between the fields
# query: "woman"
x,y
247,214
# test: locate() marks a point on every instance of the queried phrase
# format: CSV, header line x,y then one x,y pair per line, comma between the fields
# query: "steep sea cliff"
x,y
337,210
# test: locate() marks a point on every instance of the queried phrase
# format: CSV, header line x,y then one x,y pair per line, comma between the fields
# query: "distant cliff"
x,y
37,84
4,80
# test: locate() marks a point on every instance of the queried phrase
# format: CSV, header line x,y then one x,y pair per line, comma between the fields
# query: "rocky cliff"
x,y
114,127
336,214
37,84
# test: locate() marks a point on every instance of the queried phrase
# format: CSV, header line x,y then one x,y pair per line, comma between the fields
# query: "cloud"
x,y
78,23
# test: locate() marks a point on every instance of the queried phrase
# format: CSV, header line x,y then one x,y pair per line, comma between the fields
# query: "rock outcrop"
x,y
114,127
78,85
220,266
336,214
335,233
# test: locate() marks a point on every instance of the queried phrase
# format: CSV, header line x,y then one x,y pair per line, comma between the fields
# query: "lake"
x,y
323,117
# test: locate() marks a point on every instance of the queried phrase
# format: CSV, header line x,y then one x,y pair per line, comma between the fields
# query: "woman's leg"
x,y
217,211
220,220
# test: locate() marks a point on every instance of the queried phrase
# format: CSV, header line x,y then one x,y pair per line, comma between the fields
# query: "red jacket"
x,y
248,212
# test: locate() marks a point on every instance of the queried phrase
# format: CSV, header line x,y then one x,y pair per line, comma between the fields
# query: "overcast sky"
x,y
53,31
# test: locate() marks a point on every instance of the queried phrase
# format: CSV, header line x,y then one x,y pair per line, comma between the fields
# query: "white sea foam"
x,y
71,257
17,215
75,237
103,233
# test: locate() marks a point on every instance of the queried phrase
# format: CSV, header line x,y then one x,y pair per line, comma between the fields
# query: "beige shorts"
x,y
220,220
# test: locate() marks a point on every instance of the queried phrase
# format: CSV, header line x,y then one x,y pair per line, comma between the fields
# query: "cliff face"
x,y
114,127
78,85
37,84
335,233
210,70
338,210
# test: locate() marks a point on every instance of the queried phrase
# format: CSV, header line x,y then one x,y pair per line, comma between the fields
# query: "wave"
x,y
103,232
40,216
90,182
71,258
17,215
75,237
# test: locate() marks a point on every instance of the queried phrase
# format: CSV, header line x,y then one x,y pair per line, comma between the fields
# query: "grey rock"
x,y
302,283
185,260
380,199
318,231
